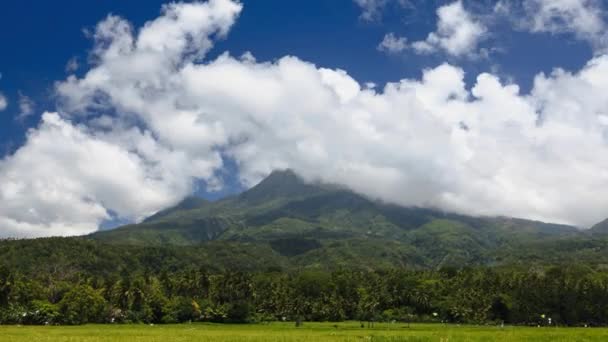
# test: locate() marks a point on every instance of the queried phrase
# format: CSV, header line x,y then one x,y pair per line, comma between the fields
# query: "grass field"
x,y
286,332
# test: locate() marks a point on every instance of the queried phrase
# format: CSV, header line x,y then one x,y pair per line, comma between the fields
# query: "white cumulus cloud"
x,y
66,179
457,34
154,115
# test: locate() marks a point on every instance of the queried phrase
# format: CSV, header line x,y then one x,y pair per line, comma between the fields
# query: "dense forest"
x,y
69,281
290,250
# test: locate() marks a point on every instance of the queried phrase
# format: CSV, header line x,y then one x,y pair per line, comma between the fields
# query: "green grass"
x,y
286,332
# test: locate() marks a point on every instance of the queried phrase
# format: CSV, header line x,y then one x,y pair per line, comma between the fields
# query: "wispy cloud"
x,y
371,9
26,107
585,19
72,65
3,100
392,43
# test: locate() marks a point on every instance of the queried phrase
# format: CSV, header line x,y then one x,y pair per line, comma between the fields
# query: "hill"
x,y
600,228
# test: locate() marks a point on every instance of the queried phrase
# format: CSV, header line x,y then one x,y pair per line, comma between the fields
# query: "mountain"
x,y
315,225
600,228
186,204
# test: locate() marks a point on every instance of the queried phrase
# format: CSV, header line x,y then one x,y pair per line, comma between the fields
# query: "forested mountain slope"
x,y
319,225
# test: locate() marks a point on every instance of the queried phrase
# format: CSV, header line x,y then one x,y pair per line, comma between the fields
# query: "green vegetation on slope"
x,y
301,224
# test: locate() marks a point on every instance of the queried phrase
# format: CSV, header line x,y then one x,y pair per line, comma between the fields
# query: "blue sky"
x,y
513,41
40,37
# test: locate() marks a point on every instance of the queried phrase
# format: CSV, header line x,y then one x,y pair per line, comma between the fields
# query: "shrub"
x,y
82,304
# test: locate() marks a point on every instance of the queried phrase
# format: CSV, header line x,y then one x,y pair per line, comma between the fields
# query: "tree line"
x,y
568,295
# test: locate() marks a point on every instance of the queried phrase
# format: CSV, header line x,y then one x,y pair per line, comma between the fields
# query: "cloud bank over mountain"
x,y
152,115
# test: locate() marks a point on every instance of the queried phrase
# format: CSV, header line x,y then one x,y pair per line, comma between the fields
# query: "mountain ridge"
x,y
312,223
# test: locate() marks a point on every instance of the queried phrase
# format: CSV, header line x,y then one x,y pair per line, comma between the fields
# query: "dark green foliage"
x,y
82,304
290,250
294,246
570,295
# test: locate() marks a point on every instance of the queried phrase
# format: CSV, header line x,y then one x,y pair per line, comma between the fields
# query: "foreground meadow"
x,y
345,331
